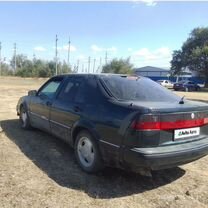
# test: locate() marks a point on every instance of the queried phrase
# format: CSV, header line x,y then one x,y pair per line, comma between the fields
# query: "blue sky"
x,y
148,33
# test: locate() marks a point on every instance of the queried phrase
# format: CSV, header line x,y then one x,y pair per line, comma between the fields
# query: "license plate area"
x,y
183,133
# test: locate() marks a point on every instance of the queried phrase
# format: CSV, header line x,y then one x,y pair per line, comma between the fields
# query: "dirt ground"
x,y
38,170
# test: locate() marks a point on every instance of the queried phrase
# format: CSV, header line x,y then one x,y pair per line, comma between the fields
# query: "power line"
x,y
56,55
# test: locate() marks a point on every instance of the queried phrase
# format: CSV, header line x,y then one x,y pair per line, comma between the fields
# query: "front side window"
x,y
50,89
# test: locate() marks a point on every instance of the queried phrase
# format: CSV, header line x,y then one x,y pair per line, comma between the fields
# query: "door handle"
x,y
77,109
48,103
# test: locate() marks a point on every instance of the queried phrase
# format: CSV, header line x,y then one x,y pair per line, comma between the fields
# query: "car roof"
x,y
94,74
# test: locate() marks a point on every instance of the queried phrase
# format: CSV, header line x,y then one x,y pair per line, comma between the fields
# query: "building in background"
x,y
153,73
156,73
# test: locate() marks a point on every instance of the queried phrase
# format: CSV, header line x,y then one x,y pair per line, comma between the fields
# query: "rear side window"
x,y
88,92
70,90
138,89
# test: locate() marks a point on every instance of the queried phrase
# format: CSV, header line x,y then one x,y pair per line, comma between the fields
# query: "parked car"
x,y
118,120
165,83
186,86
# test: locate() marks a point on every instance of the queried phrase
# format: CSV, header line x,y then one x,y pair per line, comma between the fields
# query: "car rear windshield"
x,y
137,88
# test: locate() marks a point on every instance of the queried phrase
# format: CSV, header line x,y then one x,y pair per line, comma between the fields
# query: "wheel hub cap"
x,y
85,151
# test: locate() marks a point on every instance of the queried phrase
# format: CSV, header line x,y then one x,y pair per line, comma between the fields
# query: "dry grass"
x,y
38,170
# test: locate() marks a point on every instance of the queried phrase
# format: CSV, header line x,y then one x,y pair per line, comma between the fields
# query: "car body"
x,y
118,120
186,86
165,83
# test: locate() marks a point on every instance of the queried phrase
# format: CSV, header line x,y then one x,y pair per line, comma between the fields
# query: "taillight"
x,y
152,122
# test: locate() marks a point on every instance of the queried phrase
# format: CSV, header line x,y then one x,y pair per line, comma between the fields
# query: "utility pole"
x,y
100,65
106,57
77,65
82,67
15,56
89,64
0,58
68,52
94,65
56,55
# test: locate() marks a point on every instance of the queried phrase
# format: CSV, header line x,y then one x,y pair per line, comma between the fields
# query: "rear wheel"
x,y
24,118
87,153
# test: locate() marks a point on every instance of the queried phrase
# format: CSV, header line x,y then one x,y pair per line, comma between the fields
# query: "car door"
x,y
64,111
40,104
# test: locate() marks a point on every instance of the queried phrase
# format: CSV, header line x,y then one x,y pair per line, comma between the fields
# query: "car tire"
x,y
87,153
24,118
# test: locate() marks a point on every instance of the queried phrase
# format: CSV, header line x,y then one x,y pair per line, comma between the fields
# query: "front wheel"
x,y
87,153
24,118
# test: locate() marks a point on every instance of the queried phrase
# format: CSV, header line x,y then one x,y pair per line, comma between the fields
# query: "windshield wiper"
x,y
181,100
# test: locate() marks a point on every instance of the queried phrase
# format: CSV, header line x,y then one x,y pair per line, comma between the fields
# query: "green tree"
x,y
65,68
193,54
177,63
118,66
36,67
6,70
20,59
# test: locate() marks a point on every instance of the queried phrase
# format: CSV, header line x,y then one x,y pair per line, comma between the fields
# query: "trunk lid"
x,y
171,107
170,123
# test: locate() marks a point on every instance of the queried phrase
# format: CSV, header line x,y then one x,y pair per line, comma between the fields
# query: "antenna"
x,y
182,100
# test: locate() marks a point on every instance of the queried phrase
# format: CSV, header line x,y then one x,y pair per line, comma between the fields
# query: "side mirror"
x,y
32,92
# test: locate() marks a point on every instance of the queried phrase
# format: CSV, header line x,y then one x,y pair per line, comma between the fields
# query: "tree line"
x,y
193,54
33,68
41,68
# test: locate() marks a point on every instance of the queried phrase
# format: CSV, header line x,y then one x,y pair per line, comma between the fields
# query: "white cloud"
x,y
72,48
81,57
65,48
146,2
158,57
111,49
96,49
40,49
149,2
129,49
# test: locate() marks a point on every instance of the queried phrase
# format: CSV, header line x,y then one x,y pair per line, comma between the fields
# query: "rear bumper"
x,y
165,157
